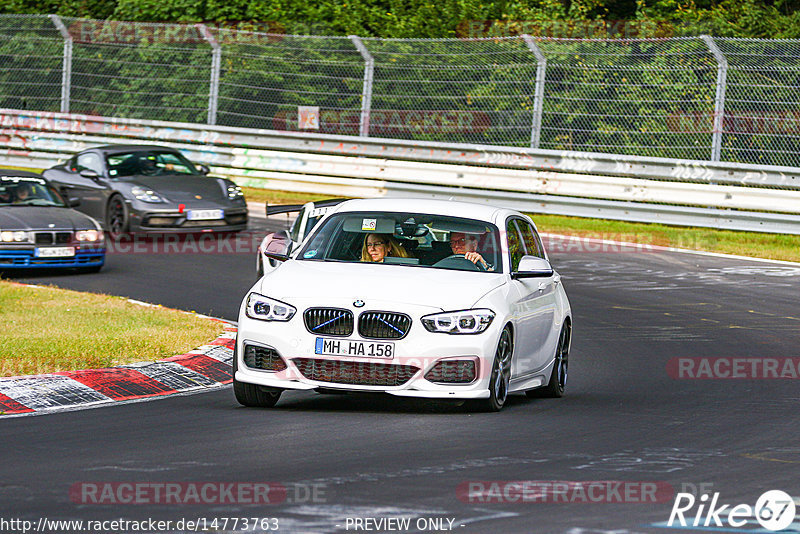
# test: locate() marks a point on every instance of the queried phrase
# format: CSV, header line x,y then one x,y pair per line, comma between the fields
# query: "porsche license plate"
x,y
204,215
55,252
344,347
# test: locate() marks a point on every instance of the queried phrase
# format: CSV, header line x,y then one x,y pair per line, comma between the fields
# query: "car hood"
x,y
40,217
183,188
340,284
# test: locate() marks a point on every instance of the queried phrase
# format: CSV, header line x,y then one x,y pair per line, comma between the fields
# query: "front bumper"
x,y
420,349
147,219
25,258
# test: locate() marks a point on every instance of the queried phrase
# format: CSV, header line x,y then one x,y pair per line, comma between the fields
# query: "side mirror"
x,y
278,246
203,168
89,173
533,267
73,202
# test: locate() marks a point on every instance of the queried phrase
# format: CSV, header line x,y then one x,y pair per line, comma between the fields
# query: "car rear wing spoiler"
x,y
285,208
290,208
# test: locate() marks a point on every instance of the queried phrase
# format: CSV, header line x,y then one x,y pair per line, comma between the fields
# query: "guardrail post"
x,y
719,100
366,93
538,91
216,63
66,66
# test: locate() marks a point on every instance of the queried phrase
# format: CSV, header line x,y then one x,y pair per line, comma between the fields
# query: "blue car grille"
x,y
383,325
329,321
26,258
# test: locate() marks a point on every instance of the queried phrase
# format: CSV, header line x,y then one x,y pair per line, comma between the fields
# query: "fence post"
x,y
216,64
538,91
719,100
66,67
366,93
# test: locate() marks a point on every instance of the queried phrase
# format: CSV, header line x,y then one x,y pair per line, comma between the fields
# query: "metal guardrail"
x,y
681,192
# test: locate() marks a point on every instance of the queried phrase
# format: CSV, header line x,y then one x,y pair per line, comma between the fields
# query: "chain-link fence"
x,y
695,98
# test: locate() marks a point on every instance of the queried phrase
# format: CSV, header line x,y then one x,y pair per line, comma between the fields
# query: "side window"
x,y
515,247
533,245
90,161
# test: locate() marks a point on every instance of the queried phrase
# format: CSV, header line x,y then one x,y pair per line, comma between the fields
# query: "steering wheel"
x,y
459,262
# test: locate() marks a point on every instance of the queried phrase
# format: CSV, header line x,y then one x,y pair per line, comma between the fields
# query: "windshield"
x,y
148,163
412,239
23,191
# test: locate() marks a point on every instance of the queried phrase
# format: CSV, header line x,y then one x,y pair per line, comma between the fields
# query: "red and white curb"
x,y
204,368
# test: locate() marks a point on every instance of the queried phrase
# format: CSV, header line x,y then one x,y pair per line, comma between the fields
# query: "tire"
x,y
251,395
116,215
501,375
558,377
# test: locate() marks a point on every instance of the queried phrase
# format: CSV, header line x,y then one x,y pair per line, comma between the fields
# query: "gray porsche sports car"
x,y
145,188
38,229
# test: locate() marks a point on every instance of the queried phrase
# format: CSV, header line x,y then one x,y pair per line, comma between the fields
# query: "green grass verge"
x,y
752,244
46,329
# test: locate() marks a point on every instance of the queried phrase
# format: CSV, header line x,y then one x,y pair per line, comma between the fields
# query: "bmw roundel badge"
x,y
358,303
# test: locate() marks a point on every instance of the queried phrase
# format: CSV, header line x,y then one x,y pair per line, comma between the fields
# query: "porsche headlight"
x,y
234,192
89,235
459,322
267,309
15,236
146,195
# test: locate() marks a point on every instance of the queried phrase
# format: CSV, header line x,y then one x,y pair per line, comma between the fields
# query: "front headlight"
x,y
89,235
459,322
234,192
145,195
267,309
18,236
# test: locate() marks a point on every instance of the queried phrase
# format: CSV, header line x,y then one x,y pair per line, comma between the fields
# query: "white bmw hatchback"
x,y
415,298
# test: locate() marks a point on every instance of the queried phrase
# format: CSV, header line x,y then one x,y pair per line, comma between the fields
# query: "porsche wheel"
x,y
116,216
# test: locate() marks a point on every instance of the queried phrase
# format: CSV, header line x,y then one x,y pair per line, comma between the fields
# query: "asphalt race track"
x,y
627,417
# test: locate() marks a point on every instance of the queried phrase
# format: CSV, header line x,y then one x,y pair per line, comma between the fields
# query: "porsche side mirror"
x,y
278,246
73,202
203,168
533,267
89,173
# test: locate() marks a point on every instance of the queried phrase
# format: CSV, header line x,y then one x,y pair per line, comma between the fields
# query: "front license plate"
x,y
204,215
343,347
55,252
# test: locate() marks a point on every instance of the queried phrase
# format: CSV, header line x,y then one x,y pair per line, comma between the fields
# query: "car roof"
x,y
117,149
468,210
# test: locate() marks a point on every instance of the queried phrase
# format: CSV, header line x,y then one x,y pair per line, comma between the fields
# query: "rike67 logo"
x,y
774,511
